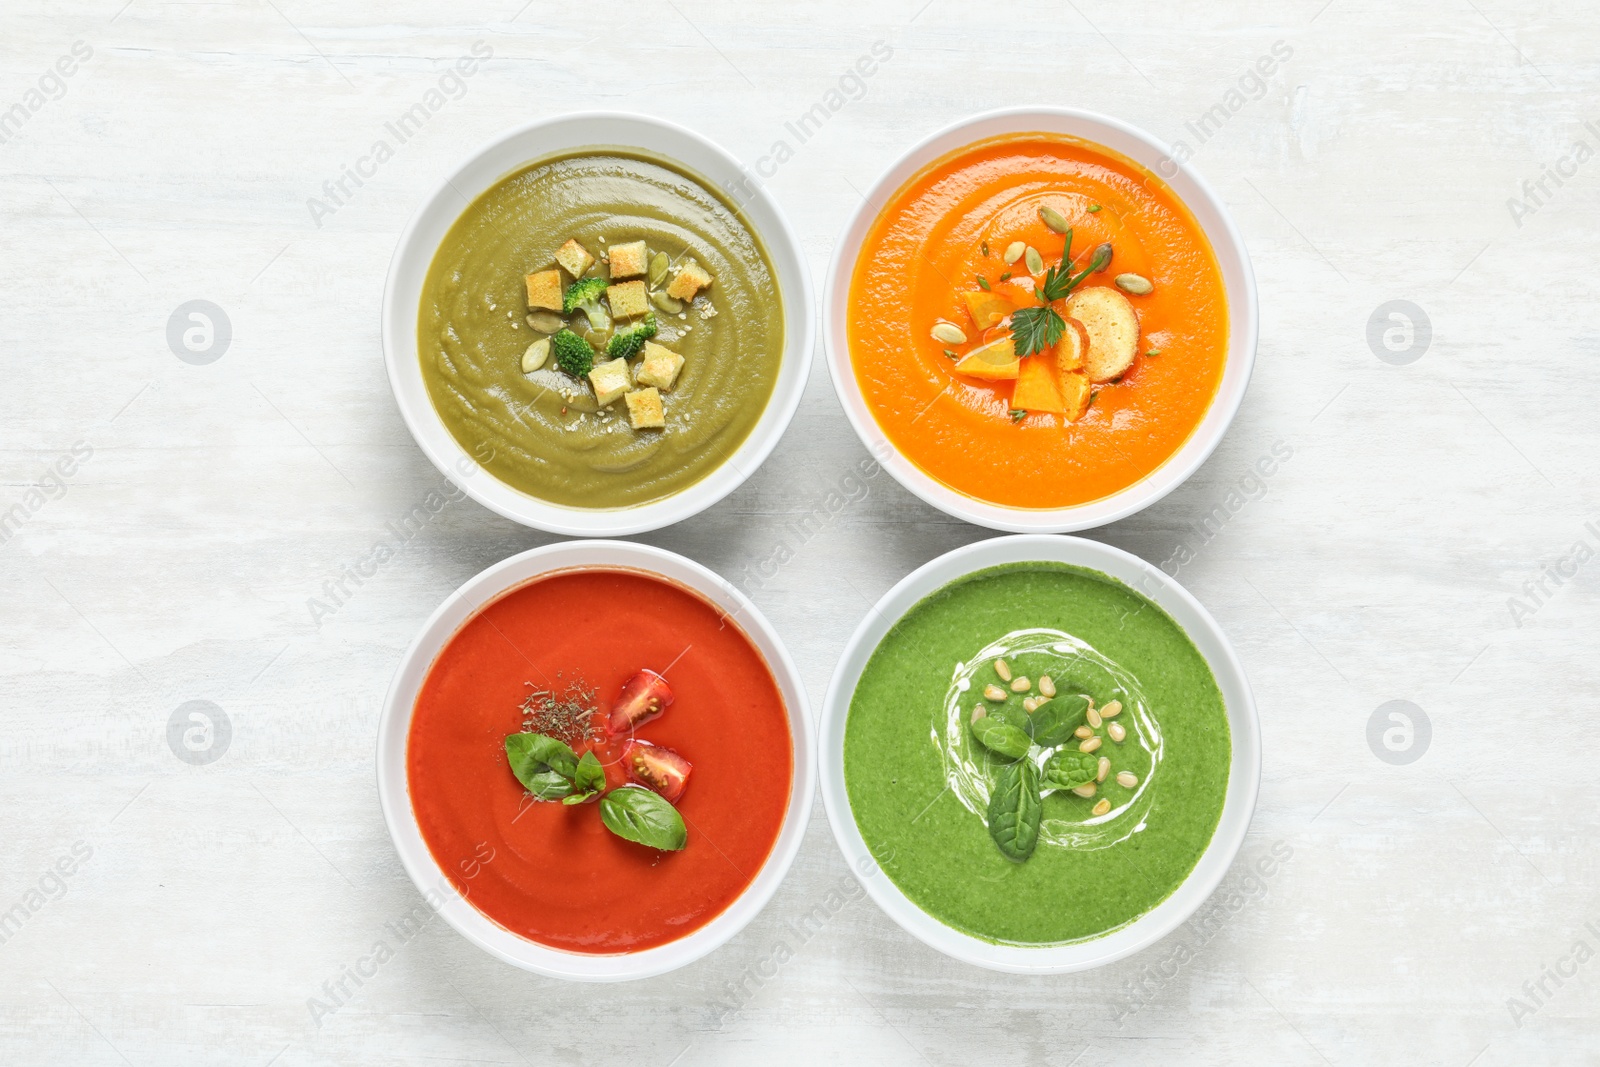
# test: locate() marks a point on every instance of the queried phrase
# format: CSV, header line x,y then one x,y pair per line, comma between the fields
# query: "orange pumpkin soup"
x,y
1004,354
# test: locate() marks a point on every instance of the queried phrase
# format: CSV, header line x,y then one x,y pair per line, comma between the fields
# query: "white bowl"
x,y
1244,772
510,153
1238,281
394,728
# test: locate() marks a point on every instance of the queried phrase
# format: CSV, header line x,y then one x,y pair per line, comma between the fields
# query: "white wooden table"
x,y
172,558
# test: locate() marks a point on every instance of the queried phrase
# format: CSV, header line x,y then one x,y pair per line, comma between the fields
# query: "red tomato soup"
x,y
556,874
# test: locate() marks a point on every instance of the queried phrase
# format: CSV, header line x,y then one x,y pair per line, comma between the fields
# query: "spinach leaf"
x,y
588,781
1069,768
1014,810
634,813
997,735
1052,723
1010,714
544,765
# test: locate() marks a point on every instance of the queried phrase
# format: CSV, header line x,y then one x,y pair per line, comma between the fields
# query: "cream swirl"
x,y
1075,667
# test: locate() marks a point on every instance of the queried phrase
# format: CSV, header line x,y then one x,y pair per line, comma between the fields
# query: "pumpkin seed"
x,y
545,321
1014,252
666,303
659,264
535,356
948,333
1052,218
1137,284
1035,260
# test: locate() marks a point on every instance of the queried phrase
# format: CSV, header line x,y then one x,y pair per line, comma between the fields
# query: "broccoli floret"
x,y
573,353
625,344
584,295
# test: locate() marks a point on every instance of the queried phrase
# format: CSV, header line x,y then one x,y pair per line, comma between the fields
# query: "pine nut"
x,y
1003,669
1030,704
1102,807
1087,790
993,692
1089,745
1094,718
1047,687
1083,732
1105,769
1127,779
1111,710
1021,685
978,713
1117,732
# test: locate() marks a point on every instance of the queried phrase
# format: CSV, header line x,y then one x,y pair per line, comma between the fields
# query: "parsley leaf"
x,y
1035,329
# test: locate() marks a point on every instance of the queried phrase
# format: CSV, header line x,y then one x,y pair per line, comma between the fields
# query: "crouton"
x,y
1113,329
610,380
629,260
574,257
627,299
689,280
645,411
660,366
544,290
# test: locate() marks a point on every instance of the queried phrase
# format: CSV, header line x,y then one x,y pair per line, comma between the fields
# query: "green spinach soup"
x,y
1037,753
600,329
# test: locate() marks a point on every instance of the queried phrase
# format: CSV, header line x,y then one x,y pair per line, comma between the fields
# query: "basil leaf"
x,y
546,785
588,781
544,765
1069,768
634,813
1015,809
1052,722
996,735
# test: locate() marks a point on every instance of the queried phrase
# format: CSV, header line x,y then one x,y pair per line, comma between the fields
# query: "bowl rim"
x,y
1239,802
393,736
400,346
1243,315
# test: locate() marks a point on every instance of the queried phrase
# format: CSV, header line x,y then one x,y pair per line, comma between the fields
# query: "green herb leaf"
x,y
588,782
1052,722
983,283
1094,207
1069,768
1015,809
637,814
1005,276
999,736
985,246
1018,414
544,765
951,355
1035,329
